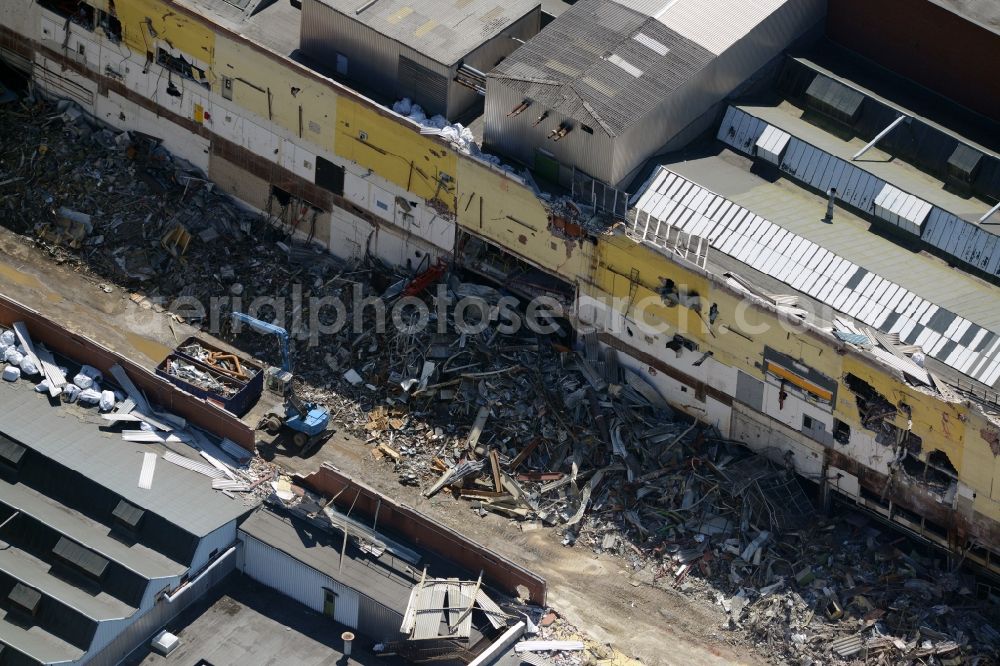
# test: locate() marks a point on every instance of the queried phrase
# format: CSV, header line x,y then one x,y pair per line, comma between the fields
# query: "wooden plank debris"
x,y
495,467
477,427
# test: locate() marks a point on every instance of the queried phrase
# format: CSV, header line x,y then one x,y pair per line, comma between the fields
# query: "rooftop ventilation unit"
x,y
834,100
25,598
80,558
963,165
128,516
11,453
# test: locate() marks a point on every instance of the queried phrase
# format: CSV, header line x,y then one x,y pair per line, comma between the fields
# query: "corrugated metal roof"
x,y
444,30
713,24
671,201
603,64
66,436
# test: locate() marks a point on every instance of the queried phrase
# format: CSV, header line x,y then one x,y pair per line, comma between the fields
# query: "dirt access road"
x,y
598,594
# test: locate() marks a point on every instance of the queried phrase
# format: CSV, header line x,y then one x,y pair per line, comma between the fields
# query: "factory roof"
x,y
444,30
776,230
78,440
385,580
712,24
74,525
984,14
603,64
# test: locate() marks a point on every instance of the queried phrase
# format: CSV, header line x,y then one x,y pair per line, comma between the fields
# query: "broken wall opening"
x,y
293,214
873,407
78,12
937,472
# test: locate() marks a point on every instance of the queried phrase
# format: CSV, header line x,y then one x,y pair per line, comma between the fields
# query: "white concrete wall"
x,y
652,341
412,229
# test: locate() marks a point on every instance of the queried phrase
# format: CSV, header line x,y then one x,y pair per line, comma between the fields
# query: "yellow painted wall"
x,y
170,25
396,151
256,76
618,256
508,213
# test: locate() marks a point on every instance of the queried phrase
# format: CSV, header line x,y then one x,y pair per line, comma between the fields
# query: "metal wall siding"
x,y
670,205
279,571
517,138
378,621
218,540
115,640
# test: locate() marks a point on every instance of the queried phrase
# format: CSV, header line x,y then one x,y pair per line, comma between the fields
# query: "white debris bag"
x,y
42,386
91,372
11,373
28,366
89,396
70,393
13,356
107,402
8,339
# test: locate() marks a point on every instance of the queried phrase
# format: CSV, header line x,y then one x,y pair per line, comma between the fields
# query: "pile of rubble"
x,y
137,216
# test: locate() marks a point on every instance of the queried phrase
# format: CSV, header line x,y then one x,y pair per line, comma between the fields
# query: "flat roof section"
x,y
242,622
443,30
71,436
789,118
670,202
320,550
277,25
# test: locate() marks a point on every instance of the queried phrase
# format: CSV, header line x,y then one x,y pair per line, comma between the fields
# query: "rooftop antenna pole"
x,y
878,137
990,212
832,193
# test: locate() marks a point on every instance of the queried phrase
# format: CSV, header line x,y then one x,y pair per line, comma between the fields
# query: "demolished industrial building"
x,y
770,234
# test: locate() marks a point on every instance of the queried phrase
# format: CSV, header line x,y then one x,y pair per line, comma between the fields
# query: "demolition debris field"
x,y
569,446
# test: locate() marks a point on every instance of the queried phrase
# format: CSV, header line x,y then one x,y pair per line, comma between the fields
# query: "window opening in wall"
x,y
179,65
808,422
109,23
938,474
330,176
841,432
292,214
587,128
78,12
227,88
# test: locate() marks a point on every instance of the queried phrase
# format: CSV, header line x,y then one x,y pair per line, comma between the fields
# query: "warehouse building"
x,y
301,559
433,52
92,564
608,84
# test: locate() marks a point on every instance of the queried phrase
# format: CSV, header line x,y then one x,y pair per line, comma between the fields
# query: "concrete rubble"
x,y
515,424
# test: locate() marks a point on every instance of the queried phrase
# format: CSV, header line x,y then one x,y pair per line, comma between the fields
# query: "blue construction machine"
x,y
304,423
